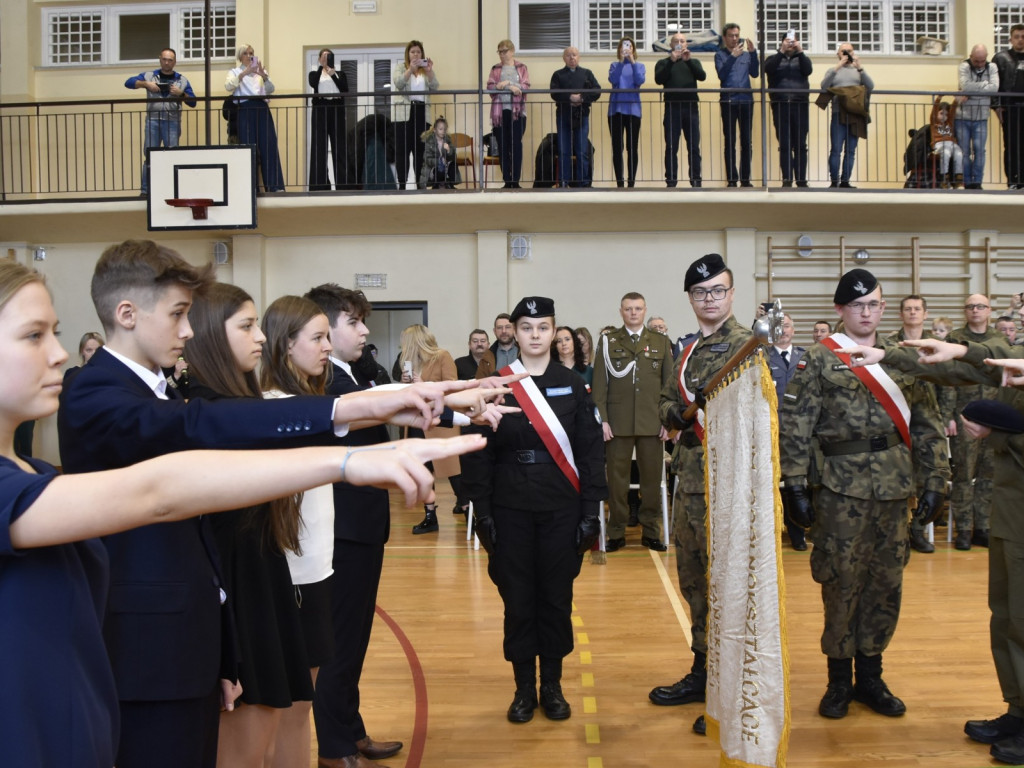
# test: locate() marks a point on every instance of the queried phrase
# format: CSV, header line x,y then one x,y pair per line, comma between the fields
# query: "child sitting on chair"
x,y
440,169
944,143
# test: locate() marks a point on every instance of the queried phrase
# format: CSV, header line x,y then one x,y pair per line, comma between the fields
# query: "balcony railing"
x,y
94,149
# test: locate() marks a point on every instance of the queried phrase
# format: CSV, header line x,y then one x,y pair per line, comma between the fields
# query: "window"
x,y
1005,15
784,15
74,37
913,20
597,25
133,33
858,23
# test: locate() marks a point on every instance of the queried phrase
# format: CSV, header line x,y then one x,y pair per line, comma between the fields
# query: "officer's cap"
x,y
996,415
855,284
533,306
702,269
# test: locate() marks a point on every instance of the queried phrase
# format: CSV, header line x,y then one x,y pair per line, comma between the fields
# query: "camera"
x,y
848,54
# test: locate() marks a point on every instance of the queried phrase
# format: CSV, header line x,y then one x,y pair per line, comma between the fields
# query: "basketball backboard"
x,y
215,181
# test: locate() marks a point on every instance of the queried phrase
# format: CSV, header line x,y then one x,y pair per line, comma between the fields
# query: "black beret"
x,y
996,415
702,269
533,306
855,284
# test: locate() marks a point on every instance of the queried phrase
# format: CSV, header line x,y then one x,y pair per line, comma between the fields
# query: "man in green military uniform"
x,y
631,365
864,420
971,497
709,286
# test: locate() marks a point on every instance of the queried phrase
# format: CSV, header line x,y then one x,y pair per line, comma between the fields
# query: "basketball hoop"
x,y
197,204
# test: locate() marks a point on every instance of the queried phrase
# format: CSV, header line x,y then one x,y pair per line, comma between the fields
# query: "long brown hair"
x,y
281,324
409,47
212,363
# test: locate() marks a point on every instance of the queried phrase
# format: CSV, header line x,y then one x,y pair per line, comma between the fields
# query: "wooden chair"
x,y
465,156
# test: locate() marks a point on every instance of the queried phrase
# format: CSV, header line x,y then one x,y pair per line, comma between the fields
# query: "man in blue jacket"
x,y
736,62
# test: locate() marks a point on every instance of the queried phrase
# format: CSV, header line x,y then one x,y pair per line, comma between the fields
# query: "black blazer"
x,y
361,514
339,80
164,617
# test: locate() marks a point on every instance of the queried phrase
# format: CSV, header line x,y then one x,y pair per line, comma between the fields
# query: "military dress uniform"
x,y
629,403
706,358
534,511
860,532
971,496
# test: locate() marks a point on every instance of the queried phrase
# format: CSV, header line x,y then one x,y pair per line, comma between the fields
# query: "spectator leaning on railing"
x,y
166,89
975,75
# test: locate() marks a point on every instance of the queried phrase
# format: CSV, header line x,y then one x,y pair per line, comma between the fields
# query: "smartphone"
x,y
407,367
767,305
626,46
256,61
791,35
679,47
330,60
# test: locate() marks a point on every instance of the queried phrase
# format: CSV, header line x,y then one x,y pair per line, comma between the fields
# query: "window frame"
x,y
110,31
1000,41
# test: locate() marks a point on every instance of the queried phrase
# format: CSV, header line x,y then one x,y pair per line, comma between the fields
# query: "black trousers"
x,y
170,734
339,725
510,145
791,121
1013,142
328,128
407,139
682,116
625,131
533,566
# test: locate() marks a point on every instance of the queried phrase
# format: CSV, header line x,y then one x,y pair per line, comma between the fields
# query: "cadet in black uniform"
x,y
536,491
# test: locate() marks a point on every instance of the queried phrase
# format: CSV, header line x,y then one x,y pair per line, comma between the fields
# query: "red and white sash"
x,y
878,383
544,420
684,391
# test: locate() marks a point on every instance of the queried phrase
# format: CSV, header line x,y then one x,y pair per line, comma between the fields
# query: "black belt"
x,y
525,457
867,445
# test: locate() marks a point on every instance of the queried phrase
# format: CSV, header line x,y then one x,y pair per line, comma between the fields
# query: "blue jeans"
x,y
572,140
161,129
737,119
841,137
972,135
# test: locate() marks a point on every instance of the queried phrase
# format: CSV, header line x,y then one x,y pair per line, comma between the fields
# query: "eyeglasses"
x,y
870,306
717,293
975,306
504,50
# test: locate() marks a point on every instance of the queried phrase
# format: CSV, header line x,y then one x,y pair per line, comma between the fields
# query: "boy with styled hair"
x,y
167,629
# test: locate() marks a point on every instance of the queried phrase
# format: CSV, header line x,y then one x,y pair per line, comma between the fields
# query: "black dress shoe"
x,y
522,706
797,538
920,544
990,731
876,694
731,184
980,539
700,727
378,750
553,702
963,541
746,184
614,545
1009,751
846,185
690,688
834,184
836,701
653,544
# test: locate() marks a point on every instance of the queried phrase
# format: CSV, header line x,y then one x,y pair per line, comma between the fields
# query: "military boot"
x,y
525,700
551,699
870,689
429,522
836,701
690,688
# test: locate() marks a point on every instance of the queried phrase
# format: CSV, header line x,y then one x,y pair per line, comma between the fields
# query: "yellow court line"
x,y
583,638
593,733
595,762
587,679
670,589
589,705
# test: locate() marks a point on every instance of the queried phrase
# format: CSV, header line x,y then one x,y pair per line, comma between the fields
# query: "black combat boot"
x,y
872,690
525,700
836,701
690,688
551,699
429,522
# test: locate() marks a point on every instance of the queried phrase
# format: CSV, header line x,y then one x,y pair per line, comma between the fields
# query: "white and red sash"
x,y
544,420
684,391
879,383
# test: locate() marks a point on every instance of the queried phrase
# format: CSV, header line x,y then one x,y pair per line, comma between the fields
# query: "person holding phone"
x,y
788,71
328,124
412,81
250,84
679,74
848,125
625,75
736,62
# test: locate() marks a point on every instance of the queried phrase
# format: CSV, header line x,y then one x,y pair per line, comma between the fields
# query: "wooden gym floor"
x,y
436,679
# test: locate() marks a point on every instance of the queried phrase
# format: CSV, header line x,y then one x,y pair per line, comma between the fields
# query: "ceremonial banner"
x,y
748,660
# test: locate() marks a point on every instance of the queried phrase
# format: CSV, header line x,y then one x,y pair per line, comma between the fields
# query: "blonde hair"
x,y
419,346
242,48
14,277
508,44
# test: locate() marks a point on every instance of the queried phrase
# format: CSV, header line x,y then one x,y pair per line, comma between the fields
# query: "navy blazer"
x,y
164,615
361,513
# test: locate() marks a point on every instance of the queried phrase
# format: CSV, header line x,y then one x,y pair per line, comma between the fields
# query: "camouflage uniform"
x,y
860,532
971,497
690,527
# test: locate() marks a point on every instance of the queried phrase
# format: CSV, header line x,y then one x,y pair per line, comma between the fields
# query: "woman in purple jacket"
x,y
625,75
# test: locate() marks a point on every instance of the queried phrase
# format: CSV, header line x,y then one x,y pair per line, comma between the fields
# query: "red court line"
x,y
419,683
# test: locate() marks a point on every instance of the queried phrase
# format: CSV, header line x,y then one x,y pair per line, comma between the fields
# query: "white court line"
x,y
673,597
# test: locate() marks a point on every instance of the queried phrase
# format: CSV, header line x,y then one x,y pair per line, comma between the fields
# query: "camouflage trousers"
x,y
690,534
971,496
1006,627
860,550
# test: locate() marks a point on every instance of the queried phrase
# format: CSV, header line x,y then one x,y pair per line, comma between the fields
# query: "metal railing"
x,y
94,149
